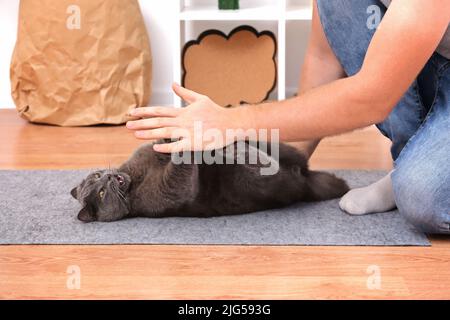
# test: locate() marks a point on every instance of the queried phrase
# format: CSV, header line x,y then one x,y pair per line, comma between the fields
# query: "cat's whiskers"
x,y
118,192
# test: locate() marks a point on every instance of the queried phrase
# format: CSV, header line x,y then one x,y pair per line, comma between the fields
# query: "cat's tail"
x,y
325,186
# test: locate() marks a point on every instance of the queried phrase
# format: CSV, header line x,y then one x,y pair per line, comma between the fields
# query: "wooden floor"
x,y
251,272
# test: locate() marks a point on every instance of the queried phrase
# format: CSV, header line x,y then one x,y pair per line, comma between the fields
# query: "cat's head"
x,y
103,195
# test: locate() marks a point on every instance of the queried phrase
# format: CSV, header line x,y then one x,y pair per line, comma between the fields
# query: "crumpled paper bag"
x,y
80,62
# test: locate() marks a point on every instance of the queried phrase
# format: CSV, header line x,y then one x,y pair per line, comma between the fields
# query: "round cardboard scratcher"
x,y
231,69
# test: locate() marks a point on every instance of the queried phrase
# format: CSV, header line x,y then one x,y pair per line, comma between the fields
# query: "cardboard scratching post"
x,y
234,69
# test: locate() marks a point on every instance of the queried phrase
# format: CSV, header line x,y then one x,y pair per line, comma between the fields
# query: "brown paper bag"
x,y
80,62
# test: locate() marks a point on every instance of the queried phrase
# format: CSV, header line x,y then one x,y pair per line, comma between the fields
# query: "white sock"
x,y
378,197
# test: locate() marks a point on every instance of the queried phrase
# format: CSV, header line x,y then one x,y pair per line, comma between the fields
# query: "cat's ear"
x,y
74,193
86,215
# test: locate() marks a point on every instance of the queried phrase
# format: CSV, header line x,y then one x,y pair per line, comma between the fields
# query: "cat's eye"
x,y
101,194
97,176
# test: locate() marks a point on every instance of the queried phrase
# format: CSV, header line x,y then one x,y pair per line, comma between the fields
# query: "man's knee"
x,y
422,198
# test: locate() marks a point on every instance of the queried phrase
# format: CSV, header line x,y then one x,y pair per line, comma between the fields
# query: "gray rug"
x,y
36,208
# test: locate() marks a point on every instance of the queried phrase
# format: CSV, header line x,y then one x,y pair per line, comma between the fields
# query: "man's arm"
x,y
320,67
407,37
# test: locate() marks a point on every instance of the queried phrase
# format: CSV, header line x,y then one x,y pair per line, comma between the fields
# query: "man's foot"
x,y
378,197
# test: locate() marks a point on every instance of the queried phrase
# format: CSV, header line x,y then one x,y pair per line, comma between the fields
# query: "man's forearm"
x,y
308,116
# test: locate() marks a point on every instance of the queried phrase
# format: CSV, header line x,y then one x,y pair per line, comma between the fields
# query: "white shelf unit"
x,y
278,11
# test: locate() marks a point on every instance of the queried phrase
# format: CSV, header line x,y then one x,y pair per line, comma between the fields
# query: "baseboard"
x,y
165,98
162,97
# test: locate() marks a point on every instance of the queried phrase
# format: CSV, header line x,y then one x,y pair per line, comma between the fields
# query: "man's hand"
x,y
186,125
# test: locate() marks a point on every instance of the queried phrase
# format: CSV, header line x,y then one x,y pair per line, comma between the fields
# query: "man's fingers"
x,y
173,147
150,123
187,95
150,112
155,134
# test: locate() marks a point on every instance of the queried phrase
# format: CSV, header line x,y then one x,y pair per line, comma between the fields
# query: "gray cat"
x,y
150,184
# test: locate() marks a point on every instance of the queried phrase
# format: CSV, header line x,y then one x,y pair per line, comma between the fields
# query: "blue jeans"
x,y
419,126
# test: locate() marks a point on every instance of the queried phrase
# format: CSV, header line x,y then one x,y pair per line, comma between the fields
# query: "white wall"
x,y
8,24
159,20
